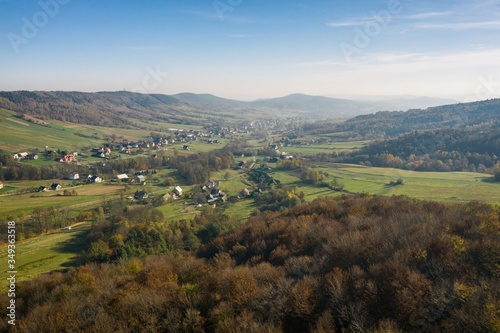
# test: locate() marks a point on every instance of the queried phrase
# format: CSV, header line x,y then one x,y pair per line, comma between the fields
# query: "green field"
x,y
439,186
325,148
17,134
46,253
88,195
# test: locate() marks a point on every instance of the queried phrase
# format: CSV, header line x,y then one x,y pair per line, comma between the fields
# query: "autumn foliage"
x,y
349,264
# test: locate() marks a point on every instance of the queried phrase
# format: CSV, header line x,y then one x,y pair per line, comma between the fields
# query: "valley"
x,y
190,184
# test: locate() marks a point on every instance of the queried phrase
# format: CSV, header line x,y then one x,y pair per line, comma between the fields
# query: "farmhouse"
x,y
241,165
123,177
177,191
55,187
95,179
140,179
68,158
210,184
42,189
19,156
74,176
141,195
245,193
33,156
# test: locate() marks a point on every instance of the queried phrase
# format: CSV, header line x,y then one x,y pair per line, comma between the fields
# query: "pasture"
x,y
439,186
47,253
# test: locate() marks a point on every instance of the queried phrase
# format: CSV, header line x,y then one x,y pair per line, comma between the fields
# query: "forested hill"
x,y
101,109
348,264
391,124
450,149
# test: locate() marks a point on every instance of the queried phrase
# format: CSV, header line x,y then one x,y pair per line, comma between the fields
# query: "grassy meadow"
x,y
23,204
439,186
46,253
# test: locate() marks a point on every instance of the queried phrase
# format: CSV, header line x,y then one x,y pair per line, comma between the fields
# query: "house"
x,y
177,191
241,165
245,192
140,179
55,187
42,189
123,177
68,158
1,185
210,184
141,195
33,156
185,147
19,156
95,179
74,176
265,167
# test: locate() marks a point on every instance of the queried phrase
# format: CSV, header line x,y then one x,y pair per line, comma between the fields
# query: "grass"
x,y
22,135
326,148
439,186
88,195
47,253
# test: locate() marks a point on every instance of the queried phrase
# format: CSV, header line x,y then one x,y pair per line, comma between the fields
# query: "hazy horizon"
x,y
249,50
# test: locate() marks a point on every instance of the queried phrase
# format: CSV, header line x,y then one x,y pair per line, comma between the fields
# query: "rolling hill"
x,y
320,106
391,124
118,109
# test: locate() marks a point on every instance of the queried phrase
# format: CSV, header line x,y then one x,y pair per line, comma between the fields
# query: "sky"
x,y
251,49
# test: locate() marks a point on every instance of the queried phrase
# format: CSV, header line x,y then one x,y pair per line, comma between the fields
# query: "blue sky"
x,y
249,49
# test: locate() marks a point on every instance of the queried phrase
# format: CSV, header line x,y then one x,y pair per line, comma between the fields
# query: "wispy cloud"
x,y
459,25
353,22
414,61
426,15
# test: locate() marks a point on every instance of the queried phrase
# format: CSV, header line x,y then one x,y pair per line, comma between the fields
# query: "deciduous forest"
x,y
347,264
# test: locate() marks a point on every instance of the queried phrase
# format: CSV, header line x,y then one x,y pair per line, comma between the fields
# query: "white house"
x,y
56,187
74,176
95,179
140,178
178,191
123,177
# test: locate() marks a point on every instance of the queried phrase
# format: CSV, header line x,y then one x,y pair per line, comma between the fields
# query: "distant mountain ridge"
x,y
120,108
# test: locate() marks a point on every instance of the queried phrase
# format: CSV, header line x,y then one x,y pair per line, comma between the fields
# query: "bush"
x,y
496,172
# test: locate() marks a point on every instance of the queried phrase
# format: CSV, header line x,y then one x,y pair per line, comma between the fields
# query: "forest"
x,y
345,264
111,109
387,124
444,150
